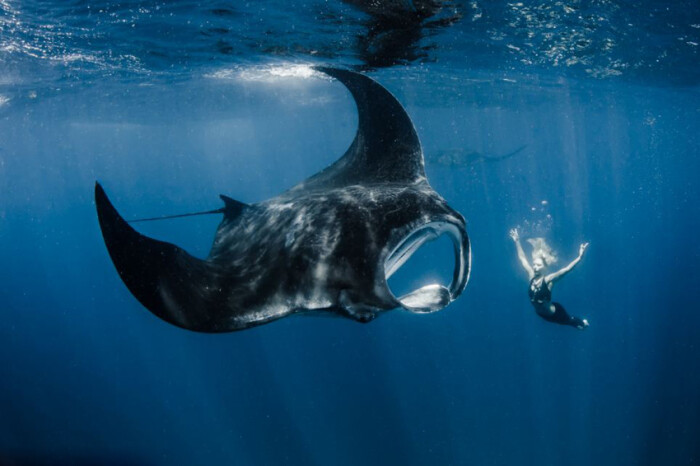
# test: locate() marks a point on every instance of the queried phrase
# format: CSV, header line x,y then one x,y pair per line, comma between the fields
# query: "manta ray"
x,y
327,245
460,158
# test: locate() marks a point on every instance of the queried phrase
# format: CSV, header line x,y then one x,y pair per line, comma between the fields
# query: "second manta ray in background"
x,y
327,245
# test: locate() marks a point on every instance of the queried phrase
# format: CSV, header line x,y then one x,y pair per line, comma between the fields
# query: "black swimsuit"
x,y
539,292
541,298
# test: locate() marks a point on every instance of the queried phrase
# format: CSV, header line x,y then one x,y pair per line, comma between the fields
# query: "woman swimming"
x,y
541,284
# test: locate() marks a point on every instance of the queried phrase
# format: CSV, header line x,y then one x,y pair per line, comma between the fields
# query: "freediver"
x,y
541,283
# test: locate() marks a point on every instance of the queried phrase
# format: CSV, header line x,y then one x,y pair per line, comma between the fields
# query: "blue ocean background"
x,y
169,104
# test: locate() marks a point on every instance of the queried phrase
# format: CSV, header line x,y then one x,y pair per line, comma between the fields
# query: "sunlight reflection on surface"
x,y
266,73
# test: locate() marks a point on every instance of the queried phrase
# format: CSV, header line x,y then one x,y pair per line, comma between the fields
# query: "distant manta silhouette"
x,y
462,158
327,245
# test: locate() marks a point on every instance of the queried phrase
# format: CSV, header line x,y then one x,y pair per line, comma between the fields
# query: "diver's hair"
x,y
541,250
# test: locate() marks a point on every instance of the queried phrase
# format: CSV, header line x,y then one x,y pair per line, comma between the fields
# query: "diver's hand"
x,y
514,235
582,249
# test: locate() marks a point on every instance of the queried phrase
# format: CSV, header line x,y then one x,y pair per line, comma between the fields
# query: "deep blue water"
x,y
170,104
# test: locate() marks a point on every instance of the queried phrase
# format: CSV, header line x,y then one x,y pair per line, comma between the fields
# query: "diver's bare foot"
x,y
583,325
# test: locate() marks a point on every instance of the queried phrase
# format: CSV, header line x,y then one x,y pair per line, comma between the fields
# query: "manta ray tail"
x,y
168,217
232,209
174,285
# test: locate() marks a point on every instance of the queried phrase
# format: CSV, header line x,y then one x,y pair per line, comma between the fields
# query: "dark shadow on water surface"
x,y
395,29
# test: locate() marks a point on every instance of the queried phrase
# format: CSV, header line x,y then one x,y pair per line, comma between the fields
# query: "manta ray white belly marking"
x,y
326,245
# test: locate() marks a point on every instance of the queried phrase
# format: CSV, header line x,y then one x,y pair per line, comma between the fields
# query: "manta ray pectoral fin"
x,y
386,148
232,207
172,284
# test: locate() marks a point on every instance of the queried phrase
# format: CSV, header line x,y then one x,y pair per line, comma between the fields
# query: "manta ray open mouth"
x,y
433,297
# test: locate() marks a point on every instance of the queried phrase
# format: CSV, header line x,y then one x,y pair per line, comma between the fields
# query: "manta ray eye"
x,y
421,269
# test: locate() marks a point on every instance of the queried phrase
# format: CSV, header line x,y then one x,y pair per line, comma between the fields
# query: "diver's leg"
x,y
562,317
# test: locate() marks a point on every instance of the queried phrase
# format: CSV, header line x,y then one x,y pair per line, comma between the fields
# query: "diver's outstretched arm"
x,y
521,254
557,275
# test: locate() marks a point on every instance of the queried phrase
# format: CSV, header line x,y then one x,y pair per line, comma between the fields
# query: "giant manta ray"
x,y
327,245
